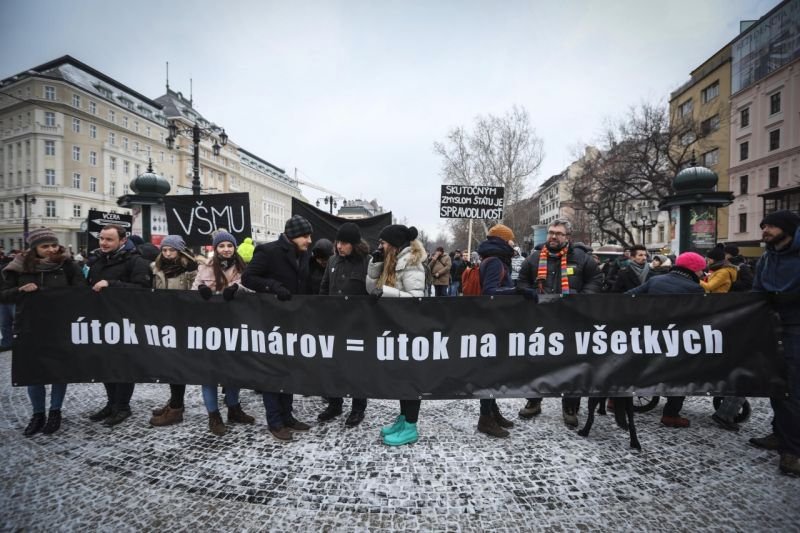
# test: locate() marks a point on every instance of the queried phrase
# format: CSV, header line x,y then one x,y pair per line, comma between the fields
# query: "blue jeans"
x,y
279,408
455,288
37,395
6,325
786,423
211,401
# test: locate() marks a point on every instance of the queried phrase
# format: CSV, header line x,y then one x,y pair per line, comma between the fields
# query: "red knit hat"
x,y
691,261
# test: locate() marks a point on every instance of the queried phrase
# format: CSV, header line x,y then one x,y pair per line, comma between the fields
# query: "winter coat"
x,y
345,275
457,269
440,268
779,271
278,264
315,274
720,278
205,276
68,274
627,279
122,268
182,281
410,280
583,272
677,281
744,275
495,274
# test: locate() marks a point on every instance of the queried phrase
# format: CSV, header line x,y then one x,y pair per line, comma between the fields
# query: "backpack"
x,y
471,279
744,278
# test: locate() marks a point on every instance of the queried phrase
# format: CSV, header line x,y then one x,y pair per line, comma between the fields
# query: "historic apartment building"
x,y
72,139
765,123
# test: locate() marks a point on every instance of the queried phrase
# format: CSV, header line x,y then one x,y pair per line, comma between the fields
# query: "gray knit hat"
x,y
174,241
223,236
41,236
297,226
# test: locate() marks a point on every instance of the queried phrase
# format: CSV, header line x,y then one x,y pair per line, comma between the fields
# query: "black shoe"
x,y
53,422
354,419
102,414
117,417
35,425
725,424
295,425
329,413
770,442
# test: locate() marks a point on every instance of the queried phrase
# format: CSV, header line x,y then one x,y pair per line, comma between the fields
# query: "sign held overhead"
x,y
472,201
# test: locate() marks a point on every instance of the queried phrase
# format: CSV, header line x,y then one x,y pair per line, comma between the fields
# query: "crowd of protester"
x,y
400,267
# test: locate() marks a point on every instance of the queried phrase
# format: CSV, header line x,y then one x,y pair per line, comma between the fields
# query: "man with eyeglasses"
x,y
559,267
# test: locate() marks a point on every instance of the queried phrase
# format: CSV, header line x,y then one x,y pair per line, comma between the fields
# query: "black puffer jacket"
x,y
345,275
67,275
277,264
122,268
583,272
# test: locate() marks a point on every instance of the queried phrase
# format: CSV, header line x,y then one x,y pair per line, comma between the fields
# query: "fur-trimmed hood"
x,y
412,255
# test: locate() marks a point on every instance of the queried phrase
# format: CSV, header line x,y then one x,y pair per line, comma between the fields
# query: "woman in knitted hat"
x,y
223,274
173,269
721,274
45,264
396,270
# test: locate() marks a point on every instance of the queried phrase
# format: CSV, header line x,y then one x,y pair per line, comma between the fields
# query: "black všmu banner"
x,y
589,345
196,218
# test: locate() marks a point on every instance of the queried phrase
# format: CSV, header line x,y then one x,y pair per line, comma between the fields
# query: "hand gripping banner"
x,y
479,347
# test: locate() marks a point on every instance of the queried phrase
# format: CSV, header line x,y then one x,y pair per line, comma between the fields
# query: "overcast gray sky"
x,y
354,93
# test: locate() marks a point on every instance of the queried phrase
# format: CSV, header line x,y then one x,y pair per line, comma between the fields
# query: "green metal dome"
x,y
150,183
695,178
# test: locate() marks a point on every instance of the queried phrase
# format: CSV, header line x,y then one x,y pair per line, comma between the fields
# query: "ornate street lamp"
x,y
644,220
330,201
24,200
197,133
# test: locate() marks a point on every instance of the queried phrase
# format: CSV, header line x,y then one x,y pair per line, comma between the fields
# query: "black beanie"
x,y
349,232
786,220
398,235
716,254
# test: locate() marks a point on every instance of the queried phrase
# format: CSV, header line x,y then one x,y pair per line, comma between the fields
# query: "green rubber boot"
x,y
394,428
406,435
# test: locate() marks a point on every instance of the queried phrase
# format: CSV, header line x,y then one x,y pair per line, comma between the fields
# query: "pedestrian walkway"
x,y
544,478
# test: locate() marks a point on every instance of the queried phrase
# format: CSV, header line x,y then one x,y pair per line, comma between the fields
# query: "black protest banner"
x,y
407,347
467,201
326,225
195,218
98,219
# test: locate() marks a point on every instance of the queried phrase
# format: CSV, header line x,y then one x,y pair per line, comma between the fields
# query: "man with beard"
x,y
281,268
635,273
559,268
778,271
117,263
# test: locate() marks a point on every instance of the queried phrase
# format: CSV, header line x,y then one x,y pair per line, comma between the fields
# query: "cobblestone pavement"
x,y
544,478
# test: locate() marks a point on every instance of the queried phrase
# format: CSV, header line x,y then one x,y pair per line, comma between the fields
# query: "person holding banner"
x,y
345,275
173,269
222,275
117,264
44,265
396,270
281,268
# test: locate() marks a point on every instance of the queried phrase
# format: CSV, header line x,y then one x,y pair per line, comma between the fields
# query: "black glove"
x,y
376,293
229,292
377,256
205,291
528,294
283,294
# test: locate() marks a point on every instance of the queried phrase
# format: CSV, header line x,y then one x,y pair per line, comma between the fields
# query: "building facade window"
x,y
126,167
743,183
76,125
685,109
744,151
76,153
92,184
742,222
710,92
112,138
112,116
50,176
76,101
774,139
92,131
744,117
688,138
49,92
136,126
113,188
112,163
775,103
125,143
710,125
92,108
50,208
711,157
147,131
76,210
93,158
49,148
124,121
774,177
76,180
49,119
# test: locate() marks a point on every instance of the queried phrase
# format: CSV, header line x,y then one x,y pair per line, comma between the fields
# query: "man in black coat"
x,y
636,272
346,275
281,268
117,264
559,267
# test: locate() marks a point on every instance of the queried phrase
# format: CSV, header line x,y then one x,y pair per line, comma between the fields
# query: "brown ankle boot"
x,y
237,416
502,421
169,416
488,425
216,425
